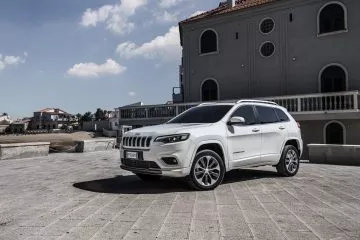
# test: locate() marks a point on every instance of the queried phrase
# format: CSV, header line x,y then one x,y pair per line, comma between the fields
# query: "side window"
x,y
247,112
282,116
266,115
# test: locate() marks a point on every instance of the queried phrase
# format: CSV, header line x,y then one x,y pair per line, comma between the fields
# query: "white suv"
x,y
206,141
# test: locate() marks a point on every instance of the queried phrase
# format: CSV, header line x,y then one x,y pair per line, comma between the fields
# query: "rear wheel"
x,y
289,162
207,171
148,178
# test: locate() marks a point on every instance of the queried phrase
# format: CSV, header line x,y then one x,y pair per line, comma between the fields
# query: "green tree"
x,y
79,116
5,114
99,114
87,117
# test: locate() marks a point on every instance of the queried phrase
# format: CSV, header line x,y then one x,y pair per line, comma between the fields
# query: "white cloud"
x,y
111,67
166,47
132,94
116,17
166,17
11,60
169,3
197,13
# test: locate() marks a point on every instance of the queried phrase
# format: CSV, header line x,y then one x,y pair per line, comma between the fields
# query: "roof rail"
x,y
218,102
257,101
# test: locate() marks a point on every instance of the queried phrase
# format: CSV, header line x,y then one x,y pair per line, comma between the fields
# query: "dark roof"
x,y
224,8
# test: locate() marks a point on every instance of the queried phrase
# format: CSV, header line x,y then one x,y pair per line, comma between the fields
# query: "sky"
x,y
87,54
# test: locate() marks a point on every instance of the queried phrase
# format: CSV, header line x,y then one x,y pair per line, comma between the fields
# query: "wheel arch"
x,y
293,142
214,145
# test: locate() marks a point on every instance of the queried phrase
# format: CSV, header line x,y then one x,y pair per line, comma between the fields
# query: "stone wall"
x,y
334,154
96,126
24,150
95,145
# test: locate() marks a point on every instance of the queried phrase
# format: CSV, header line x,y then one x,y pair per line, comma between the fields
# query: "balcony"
x,y
342,102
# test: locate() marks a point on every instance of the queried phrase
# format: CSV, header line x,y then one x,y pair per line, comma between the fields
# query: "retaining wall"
x,y
334,154
24,150
95,145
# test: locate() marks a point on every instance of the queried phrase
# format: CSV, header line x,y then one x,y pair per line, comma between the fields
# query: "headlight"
x,y
173,138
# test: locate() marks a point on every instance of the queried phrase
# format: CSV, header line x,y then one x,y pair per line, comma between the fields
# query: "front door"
x,y
274,132
244,141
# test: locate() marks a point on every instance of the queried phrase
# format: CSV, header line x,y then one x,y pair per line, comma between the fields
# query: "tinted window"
x,y
266,115
203,114
247,112
282,116
208,42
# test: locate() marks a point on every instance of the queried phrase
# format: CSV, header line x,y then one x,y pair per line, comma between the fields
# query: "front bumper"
x,y
151,161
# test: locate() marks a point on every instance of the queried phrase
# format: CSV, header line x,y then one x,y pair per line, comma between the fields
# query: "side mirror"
x,y
236,121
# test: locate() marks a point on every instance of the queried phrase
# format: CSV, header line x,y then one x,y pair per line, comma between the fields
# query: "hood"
x,y
167,129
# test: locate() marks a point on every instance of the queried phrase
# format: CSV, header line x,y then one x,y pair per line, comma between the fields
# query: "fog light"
x,y
170,160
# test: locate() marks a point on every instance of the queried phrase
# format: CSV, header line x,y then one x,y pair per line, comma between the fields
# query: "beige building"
x,y
51,118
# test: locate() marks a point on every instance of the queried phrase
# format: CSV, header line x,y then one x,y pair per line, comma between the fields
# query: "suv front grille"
x,y
137,142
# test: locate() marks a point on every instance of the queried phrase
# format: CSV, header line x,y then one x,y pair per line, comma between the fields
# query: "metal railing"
x,y
317,103
296,104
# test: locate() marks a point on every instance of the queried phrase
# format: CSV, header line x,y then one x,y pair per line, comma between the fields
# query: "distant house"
x,y
20,126
51,118
5,119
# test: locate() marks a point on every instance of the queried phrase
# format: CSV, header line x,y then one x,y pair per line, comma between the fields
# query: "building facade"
x,y
301,54
51,118
271,48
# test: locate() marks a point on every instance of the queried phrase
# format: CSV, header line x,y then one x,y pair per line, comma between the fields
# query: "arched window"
x,y
209,90
208,42
333,79
332,18
335,133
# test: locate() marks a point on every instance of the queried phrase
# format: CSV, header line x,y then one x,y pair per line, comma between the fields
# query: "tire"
x,y
209,180
148,177
289,163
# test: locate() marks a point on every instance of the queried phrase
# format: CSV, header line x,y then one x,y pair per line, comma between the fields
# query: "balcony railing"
x,y
297,104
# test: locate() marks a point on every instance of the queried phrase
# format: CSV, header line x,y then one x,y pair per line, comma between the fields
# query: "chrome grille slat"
x,y
143,140
137,141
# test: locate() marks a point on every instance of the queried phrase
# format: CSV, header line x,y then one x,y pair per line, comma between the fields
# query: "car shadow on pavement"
x,y
131,184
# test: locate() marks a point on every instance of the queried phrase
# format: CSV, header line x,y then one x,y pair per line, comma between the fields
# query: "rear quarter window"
x,y
267,115
282,115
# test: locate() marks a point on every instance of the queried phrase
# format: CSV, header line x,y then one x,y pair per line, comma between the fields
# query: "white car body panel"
x,y
241,146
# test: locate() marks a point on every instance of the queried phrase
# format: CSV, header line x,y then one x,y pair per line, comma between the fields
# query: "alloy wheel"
x,y
291,161
207,171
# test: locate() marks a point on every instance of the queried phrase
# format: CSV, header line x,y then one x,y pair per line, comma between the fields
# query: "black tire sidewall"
x,y
198,156
282,164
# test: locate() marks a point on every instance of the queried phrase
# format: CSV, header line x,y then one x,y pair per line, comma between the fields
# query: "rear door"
x,y
244,141
273,134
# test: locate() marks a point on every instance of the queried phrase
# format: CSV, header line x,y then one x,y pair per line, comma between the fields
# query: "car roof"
x,y
240,101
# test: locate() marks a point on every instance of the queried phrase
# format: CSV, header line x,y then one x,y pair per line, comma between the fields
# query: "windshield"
x,y
203,114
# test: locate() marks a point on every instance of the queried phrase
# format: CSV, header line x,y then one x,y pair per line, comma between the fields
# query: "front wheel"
x,y
207,171
289,162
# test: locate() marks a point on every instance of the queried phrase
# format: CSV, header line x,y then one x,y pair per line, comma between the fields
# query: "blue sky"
x,y
84,54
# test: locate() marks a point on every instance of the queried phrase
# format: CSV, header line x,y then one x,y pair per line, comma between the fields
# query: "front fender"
x,y
212,141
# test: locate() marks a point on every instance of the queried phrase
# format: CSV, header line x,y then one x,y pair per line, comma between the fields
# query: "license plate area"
x,y
133,155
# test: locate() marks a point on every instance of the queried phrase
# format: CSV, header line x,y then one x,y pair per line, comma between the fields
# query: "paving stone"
x,y
113,231
140,234
79,233
72,196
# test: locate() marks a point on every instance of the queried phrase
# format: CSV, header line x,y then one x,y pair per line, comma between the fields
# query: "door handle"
x,y
282,128
256,130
